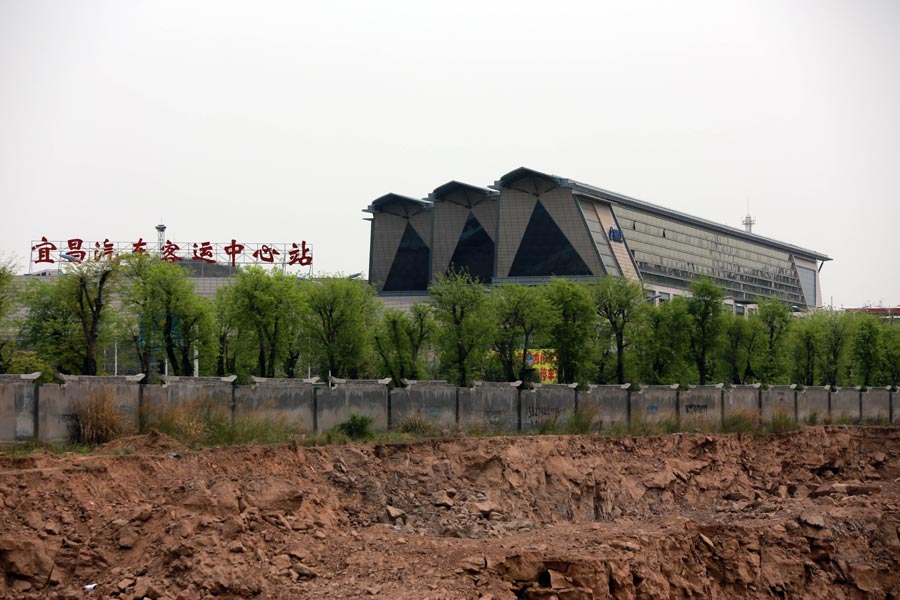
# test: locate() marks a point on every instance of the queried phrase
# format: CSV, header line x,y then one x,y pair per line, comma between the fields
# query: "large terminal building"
x,y
530,226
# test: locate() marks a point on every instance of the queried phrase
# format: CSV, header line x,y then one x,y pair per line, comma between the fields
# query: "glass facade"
x,y
409,271
673,253
600,240
808,283
545,251
474,251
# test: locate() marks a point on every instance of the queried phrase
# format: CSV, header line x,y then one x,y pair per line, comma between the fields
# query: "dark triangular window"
x,y
474,252
409,270
545,250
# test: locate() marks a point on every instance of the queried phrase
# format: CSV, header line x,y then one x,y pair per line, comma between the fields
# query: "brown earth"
x,y
813,514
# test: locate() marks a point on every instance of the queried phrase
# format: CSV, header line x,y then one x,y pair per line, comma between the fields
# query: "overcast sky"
x,y
281,121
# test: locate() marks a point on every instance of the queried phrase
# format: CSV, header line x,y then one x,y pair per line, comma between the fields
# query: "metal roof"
x,y
520,173
452,186
393,198
614,198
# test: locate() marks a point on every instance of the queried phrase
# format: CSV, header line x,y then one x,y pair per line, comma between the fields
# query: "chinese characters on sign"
x,y
543,362
76,250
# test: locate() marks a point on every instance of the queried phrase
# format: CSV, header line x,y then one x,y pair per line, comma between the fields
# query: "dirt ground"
x,y
812,514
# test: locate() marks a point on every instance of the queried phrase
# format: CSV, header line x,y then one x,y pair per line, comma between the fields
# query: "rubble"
x,y
811,514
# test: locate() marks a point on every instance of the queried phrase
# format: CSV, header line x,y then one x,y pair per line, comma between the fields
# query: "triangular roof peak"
x,y
453,186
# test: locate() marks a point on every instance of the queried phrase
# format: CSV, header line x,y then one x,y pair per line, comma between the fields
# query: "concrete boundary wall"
x,y
335,405
812,405
608,405
546,403
845,404
490,405
292,404
701,405
29,411
778,400
436,402
741,399
876,405
18,408
655,403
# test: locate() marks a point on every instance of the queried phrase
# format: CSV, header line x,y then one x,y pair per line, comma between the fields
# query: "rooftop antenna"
x,y
161,237
748,221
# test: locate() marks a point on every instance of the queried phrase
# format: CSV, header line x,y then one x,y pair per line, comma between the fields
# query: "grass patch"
x,y
203,423
740,421
418,425
581,420
781,422
549,425
26,448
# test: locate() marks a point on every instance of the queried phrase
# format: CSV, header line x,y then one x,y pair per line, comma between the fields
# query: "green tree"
x,y
867,350
705,309
617,301
736,347
662,339
225,331
164,314
261,305
804,345
775,319
9,300
463,336
399,339
28,361
520,314
68,318
338,323
891,342
573,326
836,337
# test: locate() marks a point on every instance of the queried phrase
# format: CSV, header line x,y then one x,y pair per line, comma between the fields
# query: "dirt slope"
x,y
813,514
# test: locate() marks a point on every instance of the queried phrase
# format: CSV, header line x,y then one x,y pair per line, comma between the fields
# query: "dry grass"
x,y
201,422
96,419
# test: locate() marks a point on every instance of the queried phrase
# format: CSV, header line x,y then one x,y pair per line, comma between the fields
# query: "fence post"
x,y
677,388
627,387
759,402
859,390
518,409
796,407
35,413
890,405
828,387
721,387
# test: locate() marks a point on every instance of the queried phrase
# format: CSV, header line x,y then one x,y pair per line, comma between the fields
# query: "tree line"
x,y
146,316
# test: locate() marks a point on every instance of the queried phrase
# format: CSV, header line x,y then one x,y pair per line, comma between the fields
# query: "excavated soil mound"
x,y
154,442
813,514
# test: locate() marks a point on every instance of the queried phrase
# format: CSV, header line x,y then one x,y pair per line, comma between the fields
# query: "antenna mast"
x,y
748,221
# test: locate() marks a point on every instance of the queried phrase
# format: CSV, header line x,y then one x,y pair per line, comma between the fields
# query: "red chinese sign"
x,y
76,250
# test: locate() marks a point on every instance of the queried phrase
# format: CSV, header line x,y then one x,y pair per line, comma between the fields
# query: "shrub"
x,y
357,427
96,419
